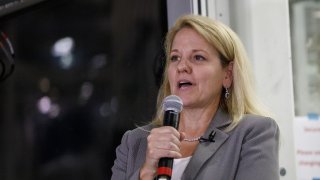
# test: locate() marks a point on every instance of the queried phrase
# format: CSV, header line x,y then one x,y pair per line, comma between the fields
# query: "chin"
x,y
184,97
185,100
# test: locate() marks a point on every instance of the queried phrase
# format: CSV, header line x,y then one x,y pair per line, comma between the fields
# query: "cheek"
x,y
171,76
212,80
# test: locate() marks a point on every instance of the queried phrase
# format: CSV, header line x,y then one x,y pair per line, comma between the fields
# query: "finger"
x,y
166,138
165,130
153,157
164,133
156,154
164,141
170,146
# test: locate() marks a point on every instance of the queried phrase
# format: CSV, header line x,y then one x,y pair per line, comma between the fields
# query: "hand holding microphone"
x,y
164,142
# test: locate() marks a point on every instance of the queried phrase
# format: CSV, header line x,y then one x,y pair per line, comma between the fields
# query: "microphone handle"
x,y
171,118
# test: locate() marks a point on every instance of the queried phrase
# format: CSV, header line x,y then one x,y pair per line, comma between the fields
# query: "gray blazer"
x,y
248,152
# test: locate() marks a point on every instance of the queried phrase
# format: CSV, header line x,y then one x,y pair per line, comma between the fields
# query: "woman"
x,y
208,69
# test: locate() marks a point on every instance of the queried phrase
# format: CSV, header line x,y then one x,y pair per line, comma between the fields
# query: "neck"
x,y
195,121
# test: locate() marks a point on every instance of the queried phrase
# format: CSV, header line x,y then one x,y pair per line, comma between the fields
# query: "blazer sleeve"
x,y
260,152
120,167
120,163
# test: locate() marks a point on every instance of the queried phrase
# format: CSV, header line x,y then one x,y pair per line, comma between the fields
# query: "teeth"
x,y
184,83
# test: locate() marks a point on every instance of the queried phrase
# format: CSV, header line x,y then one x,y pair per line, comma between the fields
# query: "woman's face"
x,y
195,72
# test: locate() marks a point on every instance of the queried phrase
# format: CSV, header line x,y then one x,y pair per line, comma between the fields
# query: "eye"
x,y
174,58
199,58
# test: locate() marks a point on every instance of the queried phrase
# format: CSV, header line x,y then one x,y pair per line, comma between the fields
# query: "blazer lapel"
x,y
207,149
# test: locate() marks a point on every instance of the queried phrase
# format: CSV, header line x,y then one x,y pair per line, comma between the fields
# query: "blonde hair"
x,y
242,99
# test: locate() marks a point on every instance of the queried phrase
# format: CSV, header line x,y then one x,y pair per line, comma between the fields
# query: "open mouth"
x,y
182,84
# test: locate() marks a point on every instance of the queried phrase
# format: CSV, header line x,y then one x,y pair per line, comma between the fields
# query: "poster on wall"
x,y
307,142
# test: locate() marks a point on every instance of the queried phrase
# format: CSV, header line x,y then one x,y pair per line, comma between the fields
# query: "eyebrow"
x,y
193,51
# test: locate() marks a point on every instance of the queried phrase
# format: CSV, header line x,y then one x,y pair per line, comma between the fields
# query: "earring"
x,y
227,94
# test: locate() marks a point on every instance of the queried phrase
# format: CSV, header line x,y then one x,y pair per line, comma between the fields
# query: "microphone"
x,y
209,139
172,106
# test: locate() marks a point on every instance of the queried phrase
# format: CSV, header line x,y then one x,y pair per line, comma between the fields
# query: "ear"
x,y
228,77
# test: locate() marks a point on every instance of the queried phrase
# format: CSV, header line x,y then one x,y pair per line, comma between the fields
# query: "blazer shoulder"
x,y
255,124
139,132
251,120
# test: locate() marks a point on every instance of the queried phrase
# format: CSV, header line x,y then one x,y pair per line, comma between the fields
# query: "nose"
x,y
184,66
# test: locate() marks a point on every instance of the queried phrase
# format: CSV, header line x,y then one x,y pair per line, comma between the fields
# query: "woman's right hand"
x,y
162,142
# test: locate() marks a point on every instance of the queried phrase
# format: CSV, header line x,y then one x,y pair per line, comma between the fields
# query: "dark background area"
x,y
61,121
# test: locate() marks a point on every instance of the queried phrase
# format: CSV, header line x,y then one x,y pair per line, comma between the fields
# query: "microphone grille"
x,y
173,103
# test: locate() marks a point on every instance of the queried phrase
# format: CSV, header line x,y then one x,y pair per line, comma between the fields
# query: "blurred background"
x,y
85,71
76,74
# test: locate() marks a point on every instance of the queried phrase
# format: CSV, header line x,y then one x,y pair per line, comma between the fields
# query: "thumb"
x,y
182,136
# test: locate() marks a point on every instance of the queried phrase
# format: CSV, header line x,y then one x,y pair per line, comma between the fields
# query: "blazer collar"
x,y
205,150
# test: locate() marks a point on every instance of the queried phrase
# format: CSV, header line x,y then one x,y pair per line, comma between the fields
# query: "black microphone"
x,y
209,139
172,106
